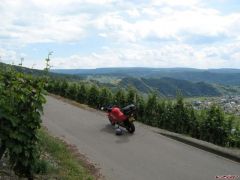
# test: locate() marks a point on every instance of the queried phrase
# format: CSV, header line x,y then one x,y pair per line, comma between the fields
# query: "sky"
x,y
121,33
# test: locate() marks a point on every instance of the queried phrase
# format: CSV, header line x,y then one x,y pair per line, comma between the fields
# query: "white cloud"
x,y
170,23
46,21
24,23
8,56
174,55
160,33
133,12
54,3
12,57
185,3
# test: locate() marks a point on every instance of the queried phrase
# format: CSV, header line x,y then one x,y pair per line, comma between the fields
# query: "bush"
x,y
21,102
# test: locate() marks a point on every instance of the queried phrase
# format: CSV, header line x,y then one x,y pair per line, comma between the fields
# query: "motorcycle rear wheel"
x,y
130,127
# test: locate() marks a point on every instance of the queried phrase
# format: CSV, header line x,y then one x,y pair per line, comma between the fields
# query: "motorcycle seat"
x,y
129,109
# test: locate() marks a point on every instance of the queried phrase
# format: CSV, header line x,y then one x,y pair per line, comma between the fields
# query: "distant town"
x,y
230,104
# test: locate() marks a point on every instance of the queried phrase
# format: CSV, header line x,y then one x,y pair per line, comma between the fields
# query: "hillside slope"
x,y
169,87
220,76
147,82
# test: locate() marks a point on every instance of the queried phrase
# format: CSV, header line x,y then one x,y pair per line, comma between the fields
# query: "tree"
x,y
150,110
234,136
141,105
93,96
120,98
213,126
181,116
105,97
63,88
82,94
161,108
56,89
71,92
193,123
168,120
131,95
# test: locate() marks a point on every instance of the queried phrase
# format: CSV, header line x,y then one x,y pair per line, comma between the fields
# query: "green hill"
x,y
169,87
137,83
37,72
148,81
220,76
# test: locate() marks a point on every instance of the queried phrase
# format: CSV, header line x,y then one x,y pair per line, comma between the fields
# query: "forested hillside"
x,y
166,87
221,76
37,72
169,87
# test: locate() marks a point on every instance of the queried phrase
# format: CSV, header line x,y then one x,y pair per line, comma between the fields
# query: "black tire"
x,y
130,127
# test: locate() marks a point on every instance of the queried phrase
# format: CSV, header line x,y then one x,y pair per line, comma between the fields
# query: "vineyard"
x,y
21,104
26,149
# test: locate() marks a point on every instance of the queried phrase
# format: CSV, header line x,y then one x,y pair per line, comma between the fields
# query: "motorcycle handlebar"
x,y
106,108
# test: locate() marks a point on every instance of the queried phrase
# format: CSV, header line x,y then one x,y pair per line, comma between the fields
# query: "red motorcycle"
x,y
122,117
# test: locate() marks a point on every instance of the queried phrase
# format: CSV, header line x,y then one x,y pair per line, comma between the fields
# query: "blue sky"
x,y
113,33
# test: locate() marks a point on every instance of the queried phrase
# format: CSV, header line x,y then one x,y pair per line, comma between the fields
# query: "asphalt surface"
x,y
146,155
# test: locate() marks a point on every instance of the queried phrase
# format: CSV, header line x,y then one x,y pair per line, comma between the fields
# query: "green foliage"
x,y
105,97
131,96
140,104
120,98
181,116
82,94
93,96
234,136
53,86
47,60
168,87
214,127
150,109
71,92
216,76
20,108
168,117
63,88
193,123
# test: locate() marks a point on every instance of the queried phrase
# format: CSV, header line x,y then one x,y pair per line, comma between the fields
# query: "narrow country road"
x,y
143,156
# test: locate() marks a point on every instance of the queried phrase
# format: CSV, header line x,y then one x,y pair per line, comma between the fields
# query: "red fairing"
x,y
117,115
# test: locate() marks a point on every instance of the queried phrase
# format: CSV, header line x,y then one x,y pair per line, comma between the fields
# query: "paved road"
x,y
143,156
